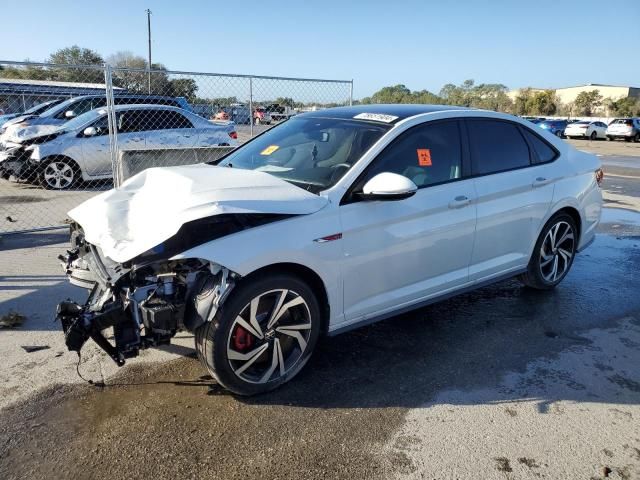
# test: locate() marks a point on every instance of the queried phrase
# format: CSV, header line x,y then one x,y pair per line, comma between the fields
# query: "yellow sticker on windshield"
x,y
269,150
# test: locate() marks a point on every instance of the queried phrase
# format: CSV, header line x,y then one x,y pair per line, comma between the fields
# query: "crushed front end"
x,y
146,301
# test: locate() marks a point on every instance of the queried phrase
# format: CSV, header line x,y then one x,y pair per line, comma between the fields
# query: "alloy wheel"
x,y
556,252
269,336
58,175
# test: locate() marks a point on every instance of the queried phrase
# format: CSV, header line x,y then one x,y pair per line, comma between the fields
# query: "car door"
x,y
169,129
514,192
397,253
96,153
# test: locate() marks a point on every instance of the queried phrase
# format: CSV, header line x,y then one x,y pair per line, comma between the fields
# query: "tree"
x,y
624,107
184,87
285,102
542,103
130,72
520,104
76,55
586,102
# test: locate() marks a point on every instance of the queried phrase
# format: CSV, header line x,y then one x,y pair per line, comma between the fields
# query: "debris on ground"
x,y
12,320
34,348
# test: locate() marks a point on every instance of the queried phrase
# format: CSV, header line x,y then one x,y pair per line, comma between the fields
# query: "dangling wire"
x,y
90,382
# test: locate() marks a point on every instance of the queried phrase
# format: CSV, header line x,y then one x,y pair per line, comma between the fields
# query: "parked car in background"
x,y
261,115
326,222
280,112
586,129
534,119
53,117
33,111
556,127
238,113
627,128
80,148
221,115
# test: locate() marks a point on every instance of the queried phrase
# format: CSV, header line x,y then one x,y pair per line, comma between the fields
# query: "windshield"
x,y
56,108
41,107
311,153
84,119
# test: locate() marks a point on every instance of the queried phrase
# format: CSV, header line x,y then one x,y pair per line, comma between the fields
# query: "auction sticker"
x,y
269,150
378,117
424,157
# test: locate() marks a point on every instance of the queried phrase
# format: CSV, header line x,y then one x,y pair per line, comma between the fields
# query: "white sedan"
x,y
326,222
592,130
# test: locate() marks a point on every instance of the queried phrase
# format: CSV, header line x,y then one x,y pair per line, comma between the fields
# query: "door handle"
x,y
540,181
459,202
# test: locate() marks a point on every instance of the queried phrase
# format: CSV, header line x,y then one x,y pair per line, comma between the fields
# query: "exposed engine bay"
x,y
145,301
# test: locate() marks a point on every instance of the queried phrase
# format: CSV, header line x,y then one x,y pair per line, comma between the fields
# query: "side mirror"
x,y
90,132
69,114
388,186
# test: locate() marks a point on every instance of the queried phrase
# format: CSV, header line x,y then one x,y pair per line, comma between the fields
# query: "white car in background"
x,y
625,128
586,129
326,222
80,149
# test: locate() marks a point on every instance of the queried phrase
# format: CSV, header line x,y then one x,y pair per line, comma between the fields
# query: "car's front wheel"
x,y
263,334
59,173
553,253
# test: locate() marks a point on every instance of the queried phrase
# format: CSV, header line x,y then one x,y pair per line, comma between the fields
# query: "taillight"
x,y
233,135
599,176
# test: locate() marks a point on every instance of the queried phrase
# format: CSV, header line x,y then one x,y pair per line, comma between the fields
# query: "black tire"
x,y
214,340
535,277
593,136
559,134
69,170
636,138
610,139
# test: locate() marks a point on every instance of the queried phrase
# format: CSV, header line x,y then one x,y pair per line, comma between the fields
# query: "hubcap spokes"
x,y
58,175
556,252
279,323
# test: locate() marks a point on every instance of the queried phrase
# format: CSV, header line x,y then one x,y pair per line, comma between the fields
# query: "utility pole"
x,y
149,37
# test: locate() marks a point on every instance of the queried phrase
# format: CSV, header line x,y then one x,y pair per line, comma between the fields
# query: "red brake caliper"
x,y
242,340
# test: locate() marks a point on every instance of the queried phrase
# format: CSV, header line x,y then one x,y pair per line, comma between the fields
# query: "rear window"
x,y
496,146
622,121
543,152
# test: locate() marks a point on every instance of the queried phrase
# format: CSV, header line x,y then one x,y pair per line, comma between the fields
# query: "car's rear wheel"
x,y
553,253
593,135
637,138
59,173
263,334
559,134
609,138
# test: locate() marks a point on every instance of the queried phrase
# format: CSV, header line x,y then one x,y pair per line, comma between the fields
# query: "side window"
x,y
171,119
102,126
131,121
98,103
542,150
78,108
496,146
427,154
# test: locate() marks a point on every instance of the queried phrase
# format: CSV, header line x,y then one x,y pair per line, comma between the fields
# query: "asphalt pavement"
x,y
503,383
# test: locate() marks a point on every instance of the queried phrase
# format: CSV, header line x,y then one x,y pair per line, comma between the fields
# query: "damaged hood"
x,y
18,135
150,207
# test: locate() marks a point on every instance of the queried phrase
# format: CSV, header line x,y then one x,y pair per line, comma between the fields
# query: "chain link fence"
x,y
68,132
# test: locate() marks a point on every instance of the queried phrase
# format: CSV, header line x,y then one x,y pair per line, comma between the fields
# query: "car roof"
x,y
146,106
402,111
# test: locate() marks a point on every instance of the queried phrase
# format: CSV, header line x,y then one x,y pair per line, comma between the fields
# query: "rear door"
x,y
514,192
169,129
400,252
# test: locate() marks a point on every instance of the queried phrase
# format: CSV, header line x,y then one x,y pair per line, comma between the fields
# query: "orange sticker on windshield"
x,y
424,157
269,150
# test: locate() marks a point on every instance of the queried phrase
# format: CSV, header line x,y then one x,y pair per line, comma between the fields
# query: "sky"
x,y
421,44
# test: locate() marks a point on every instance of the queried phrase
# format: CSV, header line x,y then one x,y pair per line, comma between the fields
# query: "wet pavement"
x,y
341,417
503,382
